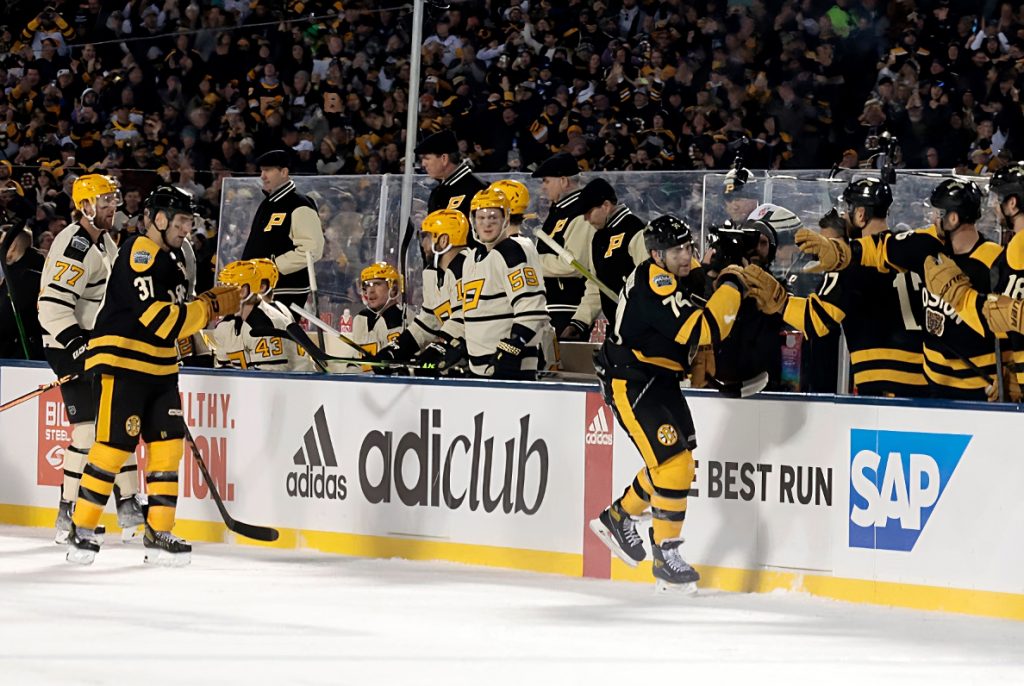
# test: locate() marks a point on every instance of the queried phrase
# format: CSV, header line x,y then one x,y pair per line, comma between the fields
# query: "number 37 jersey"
x,y
144,312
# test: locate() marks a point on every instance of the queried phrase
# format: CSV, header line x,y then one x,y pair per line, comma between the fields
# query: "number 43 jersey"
x,y
143,313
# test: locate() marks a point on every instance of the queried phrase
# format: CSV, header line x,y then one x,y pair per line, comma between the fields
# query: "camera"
x,y
732,244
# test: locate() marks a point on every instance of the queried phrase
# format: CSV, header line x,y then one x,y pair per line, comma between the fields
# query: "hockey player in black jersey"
x,y
658,326
950,337
878,311
133,356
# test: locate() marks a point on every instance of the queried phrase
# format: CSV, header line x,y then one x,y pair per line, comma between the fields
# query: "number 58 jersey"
x,y
144,312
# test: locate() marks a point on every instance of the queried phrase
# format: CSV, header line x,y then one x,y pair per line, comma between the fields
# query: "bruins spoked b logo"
x,y
667,435
133,426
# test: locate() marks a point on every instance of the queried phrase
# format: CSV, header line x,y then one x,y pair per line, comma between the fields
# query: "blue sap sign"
x,y
896,480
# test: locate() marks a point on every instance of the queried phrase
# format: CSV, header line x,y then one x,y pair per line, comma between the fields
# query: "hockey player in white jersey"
x,y
376,326
444,235
73,285
504,317
234,341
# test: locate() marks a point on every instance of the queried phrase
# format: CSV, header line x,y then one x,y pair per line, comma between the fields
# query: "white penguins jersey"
x,y
440,302
372,331
236,346
502,288
73,283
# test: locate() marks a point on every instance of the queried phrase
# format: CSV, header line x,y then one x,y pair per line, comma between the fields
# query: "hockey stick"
x,y
302,339
39,391
314,291
568,258
9,287
324,326
257,533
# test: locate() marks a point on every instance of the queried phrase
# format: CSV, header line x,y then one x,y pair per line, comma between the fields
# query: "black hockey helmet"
x,y
170,200
667,232
1008,181
960,196
871,193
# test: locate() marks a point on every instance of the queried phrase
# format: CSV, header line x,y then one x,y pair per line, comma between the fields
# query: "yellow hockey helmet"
x,y
90,187
451,223
240,273
517,193
382,271
489,198
267,271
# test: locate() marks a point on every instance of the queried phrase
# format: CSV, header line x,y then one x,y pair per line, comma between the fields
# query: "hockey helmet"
x,y
384,272
489,198
667,232
960,196
241,273
871,193
171,200
517,193
1008,181
91,187
451,223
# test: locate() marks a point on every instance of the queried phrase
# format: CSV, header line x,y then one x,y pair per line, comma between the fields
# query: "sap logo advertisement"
x,y
430,467
897,479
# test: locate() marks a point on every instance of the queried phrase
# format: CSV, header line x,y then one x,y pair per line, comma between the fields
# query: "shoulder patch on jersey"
x,y
987,252
512,252
80,243
144,253
1015,252
662,283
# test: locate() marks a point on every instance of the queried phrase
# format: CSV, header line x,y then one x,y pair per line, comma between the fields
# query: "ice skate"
x,y
131,515
165,549
617,530
63,523
83,544
671,571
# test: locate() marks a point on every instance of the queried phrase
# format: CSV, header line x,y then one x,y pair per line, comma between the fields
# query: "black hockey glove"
x,y
441,355
508,358
76,343
391,355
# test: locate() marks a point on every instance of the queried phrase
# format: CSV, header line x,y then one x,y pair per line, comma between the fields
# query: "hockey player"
x,y
519,201
563,285
74,281
444,238
503,321
657,328
878,311
235,344
616,249
380,323
133,355
950,337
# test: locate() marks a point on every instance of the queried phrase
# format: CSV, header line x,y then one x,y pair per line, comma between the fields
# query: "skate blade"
x,y
80,557
688,588
602,532
131,533
162,558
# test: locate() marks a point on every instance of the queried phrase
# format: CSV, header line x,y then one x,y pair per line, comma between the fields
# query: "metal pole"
x,y
412,116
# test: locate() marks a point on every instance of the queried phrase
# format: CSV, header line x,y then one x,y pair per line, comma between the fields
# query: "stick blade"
x,y
740,389
255,532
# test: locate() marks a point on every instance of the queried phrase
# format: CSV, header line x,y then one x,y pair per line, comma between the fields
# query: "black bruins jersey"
x,y
144,313
659,321
949,337
880,314
1008,273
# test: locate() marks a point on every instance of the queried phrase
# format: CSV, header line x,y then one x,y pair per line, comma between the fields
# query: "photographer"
x,y
755,345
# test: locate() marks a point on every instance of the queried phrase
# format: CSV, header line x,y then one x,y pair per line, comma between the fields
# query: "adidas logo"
x,y
599,430
317,456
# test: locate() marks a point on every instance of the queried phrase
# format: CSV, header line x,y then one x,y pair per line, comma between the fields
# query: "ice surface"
x,y
247,615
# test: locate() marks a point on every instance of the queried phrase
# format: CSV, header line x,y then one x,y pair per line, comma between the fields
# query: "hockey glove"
x,y
734,275
768,293
76,343
507,360
221,301
575,331
942,277
831,254
389,354
1003,313
441,355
